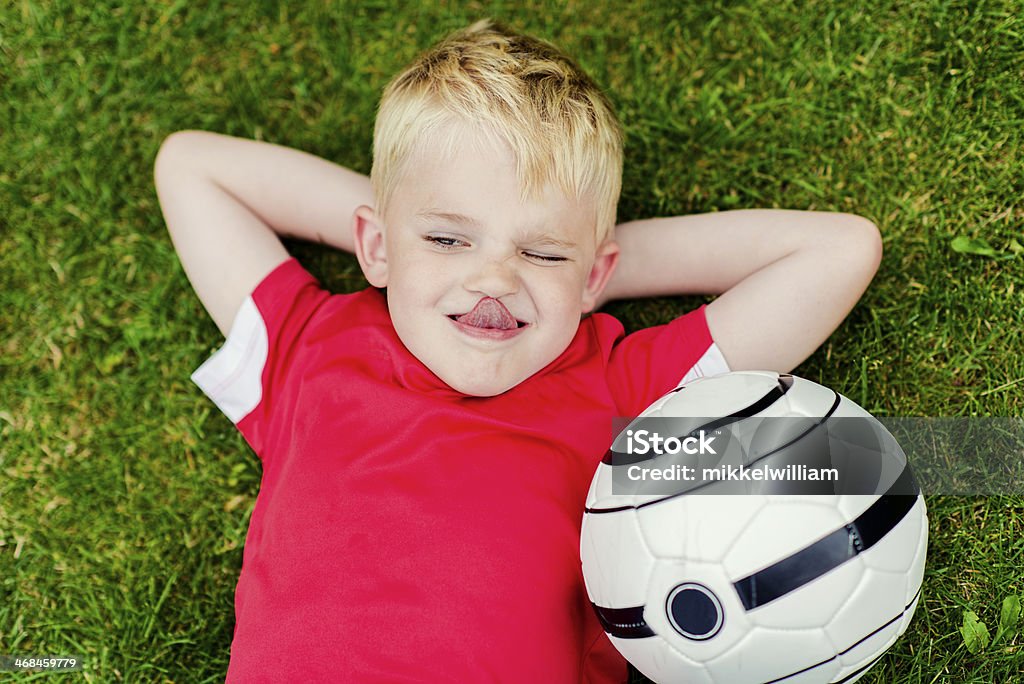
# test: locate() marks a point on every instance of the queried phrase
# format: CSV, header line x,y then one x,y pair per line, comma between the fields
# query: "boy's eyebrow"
x,y
544,240
449,216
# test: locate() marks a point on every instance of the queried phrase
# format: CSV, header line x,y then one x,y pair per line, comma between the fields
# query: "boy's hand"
x,y
226,200
787,279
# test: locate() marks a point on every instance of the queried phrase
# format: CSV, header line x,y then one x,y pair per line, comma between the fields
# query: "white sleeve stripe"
x,y
712,362
233,376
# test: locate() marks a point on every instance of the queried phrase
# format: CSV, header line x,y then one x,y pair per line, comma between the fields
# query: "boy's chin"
x,y
474,388
483,385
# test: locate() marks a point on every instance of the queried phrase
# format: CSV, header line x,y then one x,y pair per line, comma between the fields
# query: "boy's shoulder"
x,y
291,291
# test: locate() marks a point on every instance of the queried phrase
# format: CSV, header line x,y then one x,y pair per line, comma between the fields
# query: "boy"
x,y
426,450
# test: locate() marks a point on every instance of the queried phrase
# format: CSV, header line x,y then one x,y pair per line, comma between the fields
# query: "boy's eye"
x,y
443,241
544,257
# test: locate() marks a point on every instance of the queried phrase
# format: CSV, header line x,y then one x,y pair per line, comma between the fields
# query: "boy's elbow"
x,y
175,148
165,155
862,245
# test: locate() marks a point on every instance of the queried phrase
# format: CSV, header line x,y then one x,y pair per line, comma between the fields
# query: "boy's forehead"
x,y
472,182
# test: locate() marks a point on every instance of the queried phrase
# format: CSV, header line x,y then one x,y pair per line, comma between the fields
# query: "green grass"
x,y
125,496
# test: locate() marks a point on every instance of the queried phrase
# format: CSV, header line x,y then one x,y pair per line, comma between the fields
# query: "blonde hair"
x,y
521,90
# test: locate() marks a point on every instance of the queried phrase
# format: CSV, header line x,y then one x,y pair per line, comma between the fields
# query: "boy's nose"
x,y
494,278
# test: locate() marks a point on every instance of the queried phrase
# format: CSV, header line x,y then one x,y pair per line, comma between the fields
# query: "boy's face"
x,y
483,288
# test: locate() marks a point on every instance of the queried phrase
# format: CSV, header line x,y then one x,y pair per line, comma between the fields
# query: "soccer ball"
x,y
725,578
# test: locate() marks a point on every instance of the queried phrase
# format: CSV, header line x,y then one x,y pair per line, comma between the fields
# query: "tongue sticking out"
x,y
489,313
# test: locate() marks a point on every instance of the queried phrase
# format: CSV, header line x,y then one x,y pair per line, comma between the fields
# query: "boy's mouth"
x,y
488,314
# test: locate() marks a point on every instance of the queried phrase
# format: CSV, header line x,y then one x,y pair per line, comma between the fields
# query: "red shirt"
x,y
405,532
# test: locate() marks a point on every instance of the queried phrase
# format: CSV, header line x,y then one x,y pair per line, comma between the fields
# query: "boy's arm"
x,y
227,200
786,279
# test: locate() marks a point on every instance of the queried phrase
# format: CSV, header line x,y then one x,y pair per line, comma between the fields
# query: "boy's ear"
x,y
368,232
604,265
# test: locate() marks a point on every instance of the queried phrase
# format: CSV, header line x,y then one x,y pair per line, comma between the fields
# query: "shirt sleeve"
x,y
244,377
650,362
